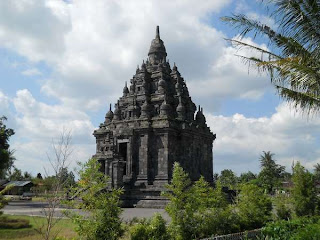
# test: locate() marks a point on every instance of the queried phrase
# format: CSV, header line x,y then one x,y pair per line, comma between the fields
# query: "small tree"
x,y
3,202
180,209
228,178
281,207
58,160
253,207
151,229
317,172
15,174
247,177
197,210
212,213
6,155
271,173
103,220
303,192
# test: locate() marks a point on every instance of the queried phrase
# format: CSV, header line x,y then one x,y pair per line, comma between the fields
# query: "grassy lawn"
x,y
64,226
39,199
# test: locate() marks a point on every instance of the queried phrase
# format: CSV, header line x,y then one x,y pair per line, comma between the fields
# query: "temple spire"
x,y
158,32
157,52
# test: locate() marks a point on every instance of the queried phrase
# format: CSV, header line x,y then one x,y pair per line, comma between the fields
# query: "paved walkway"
x,y
36,209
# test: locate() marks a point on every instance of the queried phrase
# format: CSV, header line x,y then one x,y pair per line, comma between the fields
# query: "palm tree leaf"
x,y
295,68
299,20
303,100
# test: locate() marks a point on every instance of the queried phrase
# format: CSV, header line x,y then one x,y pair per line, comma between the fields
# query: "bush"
x,y
154,229
216,221
281,208
139,231
103,206
197,210
292,229
253,207
309,232
6,223
303,191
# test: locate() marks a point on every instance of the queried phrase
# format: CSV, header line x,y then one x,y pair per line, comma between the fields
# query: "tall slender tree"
x,y
6,155
317,172
271,172
294,61
303,192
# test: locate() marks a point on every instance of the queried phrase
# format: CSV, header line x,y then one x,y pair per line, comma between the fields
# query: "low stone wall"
x,y
253,234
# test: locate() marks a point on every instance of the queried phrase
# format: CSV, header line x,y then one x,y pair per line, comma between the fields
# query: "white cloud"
x,y
5,109
94,48
39,123
241,140
264,19
34,29
46,121
229,76
31,72
4,101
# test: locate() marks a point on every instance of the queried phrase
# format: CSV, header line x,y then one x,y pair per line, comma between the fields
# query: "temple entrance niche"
x,y
102,166
123,152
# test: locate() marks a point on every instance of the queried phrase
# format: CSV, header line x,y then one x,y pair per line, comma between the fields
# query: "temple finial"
x,y
110,107
157,32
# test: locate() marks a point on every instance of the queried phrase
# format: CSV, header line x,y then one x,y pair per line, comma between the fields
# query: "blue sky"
x,y
63,62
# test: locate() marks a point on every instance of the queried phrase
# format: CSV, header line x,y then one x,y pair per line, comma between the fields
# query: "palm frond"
x,y
300,20
288,45
295,68
240,45
305,101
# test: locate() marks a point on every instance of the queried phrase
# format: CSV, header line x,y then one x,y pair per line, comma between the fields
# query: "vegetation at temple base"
x,y
253,207
103,206
152,229
228,178
303,228
197,210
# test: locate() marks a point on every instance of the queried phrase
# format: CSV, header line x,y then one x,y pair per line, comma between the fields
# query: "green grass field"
x,y
64,227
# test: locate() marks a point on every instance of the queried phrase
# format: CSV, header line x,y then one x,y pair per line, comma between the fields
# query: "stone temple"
x,y
152,126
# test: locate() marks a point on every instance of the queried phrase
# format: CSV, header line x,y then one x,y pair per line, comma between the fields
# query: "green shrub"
x,y
6,223
286,230
253,207
216,221
139,231
154,229
103,206
303,192
197,210
64,238
309,232
281,207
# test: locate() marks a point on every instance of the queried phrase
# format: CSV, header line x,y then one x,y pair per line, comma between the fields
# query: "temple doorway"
x,y
123,153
